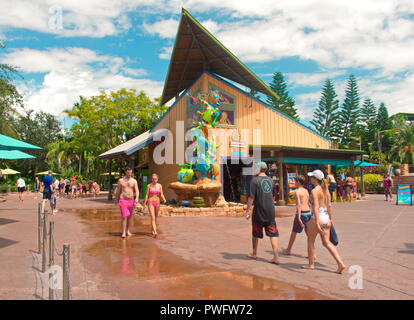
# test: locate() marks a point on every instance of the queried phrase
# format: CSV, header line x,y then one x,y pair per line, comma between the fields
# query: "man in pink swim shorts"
x,y
126,197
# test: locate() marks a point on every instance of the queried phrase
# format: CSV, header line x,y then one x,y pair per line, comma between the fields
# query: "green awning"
x,y
332,162
14,154
358,163
9,143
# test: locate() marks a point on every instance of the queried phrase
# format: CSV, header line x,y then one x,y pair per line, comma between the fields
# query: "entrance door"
x,y
234,182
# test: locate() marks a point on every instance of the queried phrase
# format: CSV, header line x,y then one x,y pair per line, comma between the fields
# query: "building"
x,y
200,62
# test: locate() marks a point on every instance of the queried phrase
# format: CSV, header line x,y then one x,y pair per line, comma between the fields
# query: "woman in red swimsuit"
x,y
154,197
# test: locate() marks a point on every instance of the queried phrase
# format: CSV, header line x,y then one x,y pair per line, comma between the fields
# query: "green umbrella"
x,y
8,143
14,154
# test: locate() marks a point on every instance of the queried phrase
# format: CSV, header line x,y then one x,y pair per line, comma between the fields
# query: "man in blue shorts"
x,y
47,190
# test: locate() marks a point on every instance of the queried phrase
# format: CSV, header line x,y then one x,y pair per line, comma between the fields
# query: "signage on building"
x,y
237,147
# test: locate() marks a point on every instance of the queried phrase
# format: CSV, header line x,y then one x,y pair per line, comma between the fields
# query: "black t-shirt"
x,y
261,189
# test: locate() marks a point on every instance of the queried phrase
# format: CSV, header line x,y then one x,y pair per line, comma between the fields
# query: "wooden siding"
x,y
276,129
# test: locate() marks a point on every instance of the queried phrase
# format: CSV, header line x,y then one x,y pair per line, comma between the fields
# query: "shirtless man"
x,y
127,187
303,212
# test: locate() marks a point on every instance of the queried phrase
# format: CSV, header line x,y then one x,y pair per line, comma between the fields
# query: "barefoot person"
x,y
127,188
349,187
261,196
303,212
153,197
21,186
47,190
387,183
321,220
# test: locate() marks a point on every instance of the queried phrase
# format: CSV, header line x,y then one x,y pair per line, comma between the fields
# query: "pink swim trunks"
x,y
127,207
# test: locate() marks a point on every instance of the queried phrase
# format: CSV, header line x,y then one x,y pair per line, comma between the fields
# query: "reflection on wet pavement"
x,y
136,268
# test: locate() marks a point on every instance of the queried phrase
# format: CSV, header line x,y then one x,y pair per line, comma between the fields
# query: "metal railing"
x,y
43,241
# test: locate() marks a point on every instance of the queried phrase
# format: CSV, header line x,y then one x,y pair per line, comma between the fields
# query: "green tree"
x,y
326,114
350,112
368,123
40,129
286,104
10,98
105,121
383,120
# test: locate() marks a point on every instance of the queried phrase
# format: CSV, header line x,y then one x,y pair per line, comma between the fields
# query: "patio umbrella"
x,y
14,154
8,171
43,173
359,163
9,143
112,174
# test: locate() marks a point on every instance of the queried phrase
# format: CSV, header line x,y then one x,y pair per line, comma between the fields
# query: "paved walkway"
x,y
204,257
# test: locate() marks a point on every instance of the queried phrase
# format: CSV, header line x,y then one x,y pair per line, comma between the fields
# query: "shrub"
x,y
371,182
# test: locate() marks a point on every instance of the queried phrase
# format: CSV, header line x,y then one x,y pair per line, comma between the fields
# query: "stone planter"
x,y
404,169
397,172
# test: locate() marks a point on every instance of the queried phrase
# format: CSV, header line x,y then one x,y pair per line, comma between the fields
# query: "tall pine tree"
x,y
368,118
349,114
326,114
383,121
285,104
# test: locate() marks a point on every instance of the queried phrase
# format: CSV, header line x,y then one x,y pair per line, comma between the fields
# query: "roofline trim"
x,y
184,11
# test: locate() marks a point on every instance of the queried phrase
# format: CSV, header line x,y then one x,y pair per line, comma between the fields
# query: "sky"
x,y
66,49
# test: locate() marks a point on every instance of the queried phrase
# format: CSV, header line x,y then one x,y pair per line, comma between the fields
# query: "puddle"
x,y
137,268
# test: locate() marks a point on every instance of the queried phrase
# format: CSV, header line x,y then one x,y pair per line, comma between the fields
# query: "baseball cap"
x,y
318,174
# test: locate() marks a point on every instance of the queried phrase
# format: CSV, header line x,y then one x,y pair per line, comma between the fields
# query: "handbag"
x,y
333,236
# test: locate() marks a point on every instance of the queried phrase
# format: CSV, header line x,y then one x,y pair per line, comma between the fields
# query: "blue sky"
x,y
69,48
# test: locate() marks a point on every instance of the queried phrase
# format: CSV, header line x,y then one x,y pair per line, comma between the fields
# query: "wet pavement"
x,y
204,257
137,268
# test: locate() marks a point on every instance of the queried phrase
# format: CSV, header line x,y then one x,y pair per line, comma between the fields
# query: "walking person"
x,y
54,196
331,185
47,182
153,198
387,183
37,185
126,196
349,187
67,187
21,187
261,197
321,221
74,187
303,212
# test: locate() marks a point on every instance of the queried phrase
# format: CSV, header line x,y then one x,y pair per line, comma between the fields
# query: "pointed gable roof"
x,y
197,50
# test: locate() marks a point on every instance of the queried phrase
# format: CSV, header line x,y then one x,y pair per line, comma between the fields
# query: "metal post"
x,y
362,178
44,242
66,268
51,259
39,227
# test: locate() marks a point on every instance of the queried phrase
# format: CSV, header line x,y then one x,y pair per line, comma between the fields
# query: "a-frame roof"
x,y
197,50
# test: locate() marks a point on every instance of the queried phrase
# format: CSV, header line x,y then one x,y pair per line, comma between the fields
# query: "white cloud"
x,y
166,53
312,79
163,28
73,72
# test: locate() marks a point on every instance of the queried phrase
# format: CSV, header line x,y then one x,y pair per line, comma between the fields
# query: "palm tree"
x,y
403,146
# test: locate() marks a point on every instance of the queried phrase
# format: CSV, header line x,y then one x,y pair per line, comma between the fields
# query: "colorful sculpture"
x,y
185,174
207,105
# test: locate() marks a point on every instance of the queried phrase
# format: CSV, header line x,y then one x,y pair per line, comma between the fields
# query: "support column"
x,y
110,180
282,201
362,178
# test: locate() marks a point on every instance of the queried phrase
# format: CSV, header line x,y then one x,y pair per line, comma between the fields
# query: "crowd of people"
x,y
314,212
